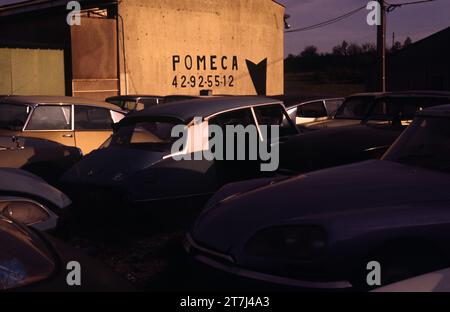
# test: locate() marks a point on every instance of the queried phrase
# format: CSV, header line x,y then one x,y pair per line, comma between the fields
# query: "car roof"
x,y
202,107
49,100
436,111
133,96
415,93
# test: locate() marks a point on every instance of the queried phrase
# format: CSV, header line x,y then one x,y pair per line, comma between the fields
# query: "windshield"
x,y
155,135
354,108
426,143
12,116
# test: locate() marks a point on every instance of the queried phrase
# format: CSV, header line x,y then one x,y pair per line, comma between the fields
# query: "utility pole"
x,y
381,49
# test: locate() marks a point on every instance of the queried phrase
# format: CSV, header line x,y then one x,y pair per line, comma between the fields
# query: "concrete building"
x,y
156,47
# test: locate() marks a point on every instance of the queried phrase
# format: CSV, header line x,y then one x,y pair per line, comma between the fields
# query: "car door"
x,y
229,168
51,122
93,126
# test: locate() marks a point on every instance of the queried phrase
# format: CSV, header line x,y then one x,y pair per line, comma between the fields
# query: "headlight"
x,y
293,242
25,212
24,257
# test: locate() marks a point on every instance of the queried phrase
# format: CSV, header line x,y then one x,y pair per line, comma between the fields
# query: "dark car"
x,y
47,159
135,102
360,107
320,230
378,120
32,261
137,167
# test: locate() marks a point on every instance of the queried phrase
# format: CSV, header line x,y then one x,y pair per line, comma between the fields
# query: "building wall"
x,y
181,47
32,71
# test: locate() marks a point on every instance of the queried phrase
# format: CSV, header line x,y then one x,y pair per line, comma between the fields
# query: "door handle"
x,y
67,136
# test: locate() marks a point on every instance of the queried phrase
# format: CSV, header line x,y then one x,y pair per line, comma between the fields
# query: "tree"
x,y
309,51
397,46
354,49
407,42
368,47
341,49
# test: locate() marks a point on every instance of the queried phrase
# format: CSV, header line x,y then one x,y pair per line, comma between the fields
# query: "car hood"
x,y
310,197
438,281
16,181
111,166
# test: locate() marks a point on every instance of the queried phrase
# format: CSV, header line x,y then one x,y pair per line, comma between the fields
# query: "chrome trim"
x,y
189,243
269,278
46,225
172,197
244,107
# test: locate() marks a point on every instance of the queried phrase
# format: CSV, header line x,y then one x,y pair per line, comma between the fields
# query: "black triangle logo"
x,y
258,73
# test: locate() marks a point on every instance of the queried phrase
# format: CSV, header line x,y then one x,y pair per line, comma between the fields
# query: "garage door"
x,y
32,72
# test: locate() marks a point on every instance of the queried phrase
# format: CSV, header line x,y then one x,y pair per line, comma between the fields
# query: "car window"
x,y
275,115
92,118
312,110
12,116
242,117
354,108
51,117
333,105
152,134
401,111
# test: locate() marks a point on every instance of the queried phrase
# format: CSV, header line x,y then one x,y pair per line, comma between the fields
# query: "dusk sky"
x,y
416,21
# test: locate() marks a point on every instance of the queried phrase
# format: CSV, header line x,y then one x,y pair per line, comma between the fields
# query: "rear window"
x,y
154,134
92,118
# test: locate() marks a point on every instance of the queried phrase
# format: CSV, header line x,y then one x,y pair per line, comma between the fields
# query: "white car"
x,y
316,110
29,200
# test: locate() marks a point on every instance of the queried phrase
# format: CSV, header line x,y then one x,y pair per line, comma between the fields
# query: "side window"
x,y
51,117
274,115
242,117
92,118
333,105
312,110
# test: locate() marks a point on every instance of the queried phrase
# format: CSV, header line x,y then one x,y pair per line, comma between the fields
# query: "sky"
x,y
416,21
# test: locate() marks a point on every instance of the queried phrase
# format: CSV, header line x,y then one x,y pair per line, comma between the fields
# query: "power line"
x,y
328,22
392,6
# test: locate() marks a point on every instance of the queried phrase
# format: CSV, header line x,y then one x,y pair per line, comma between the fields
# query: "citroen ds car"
x,y
47,159
33,261
70,121
320,230
137,167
